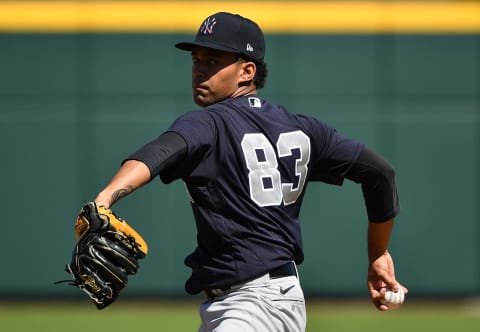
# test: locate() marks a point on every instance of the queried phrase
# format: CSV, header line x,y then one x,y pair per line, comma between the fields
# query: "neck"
x,y
245,91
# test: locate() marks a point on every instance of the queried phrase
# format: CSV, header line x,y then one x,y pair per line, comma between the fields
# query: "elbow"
x,y
384,178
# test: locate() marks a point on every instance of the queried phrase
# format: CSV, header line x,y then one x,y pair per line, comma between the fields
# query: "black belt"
x,y
286,270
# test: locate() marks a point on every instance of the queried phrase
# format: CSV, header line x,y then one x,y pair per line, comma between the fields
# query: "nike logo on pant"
x,y
284,291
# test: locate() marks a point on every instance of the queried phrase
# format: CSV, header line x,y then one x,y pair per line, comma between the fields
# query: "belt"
x,y
286,270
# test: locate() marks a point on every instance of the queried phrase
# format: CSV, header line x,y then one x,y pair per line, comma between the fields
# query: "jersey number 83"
x,y
265,180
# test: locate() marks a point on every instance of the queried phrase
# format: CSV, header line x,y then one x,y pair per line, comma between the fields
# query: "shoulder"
x,y
309,120
197,126
196,119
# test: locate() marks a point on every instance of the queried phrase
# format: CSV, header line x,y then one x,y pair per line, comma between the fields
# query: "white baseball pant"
x,y
260,305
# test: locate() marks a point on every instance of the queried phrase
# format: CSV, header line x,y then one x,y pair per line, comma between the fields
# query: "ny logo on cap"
x,y
207,26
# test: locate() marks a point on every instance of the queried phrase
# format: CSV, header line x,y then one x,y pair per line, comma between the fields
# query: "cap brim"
x,y
188,46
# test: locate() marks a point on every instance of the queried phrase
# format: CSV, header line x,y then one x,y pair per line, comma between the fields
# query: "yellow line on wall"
x,y
273,16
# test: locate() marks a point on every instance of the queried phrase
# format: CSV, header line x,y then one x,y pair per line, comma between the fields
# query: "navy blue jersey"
x,y
246,170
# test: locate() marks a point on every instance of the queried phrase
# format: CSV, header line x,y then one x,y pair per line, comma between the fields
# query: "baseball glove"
x,y
106,252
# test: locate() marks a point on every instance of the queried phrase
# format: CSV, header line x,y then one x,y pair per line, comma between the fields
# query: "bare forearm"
x,y
381,270
131,176
379,238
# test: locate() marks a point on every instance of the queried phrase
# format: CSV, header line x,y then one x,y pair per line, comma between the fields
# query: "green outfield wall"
x,y
72,106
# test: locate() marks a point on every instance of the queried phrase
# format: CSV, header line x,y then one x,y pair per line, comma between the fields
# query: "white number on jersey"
x,y
266,187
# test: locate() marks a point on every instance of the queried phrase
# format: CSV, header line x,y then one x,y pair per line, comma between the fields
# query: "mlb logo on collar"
x,y
254,102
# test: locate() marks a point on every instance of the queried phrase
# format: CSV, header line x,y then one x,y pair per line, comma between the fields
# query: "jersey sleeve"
x,y
175,152
162,155
333,154
198,130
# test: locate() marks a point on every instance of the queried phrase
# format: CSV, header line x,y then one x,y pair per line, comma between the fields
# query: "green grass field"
x,y
175,316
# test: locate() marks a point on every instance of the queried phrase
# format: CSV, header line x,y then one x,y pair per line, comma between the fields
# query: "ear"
x,y
247,72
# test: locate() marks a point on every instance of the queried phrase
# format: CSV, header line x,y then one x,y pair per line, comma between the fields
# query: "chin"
x,y
201,102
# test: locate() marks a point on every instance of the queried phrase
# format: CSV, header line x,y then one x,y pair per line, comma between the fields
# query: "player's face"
x,y
216,75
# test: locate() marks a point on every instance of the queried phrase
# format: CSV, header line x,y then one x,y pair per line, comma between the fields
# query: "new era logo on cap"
x,y
230,33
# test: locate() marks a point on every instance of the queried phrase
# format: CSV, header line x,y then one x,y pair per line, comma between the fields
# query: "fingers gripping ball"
x,y
393,299
106,253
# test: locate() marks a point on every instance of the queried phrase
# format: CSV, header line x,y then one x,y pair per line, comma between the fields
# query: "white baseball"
x,y
393,299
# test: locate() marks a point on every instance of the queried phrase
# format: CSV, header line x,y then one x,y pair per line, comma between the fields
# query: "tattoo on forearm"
x,y
117,194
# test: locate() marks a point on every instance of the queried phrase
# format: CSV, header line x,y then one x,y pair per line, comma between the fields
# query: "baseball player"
x,y
246,163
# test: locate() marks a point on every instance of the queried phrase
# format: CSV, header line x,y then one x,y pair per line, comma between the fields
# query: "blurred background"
x,y
85,83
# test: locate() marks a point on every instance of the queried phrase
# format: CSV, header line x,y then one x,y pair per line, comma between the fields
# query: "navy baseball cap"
x,y
231,33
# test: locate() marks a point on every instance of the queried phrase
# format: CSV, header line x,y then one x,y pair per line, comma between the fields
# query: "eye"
x,y
210,62
205,61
